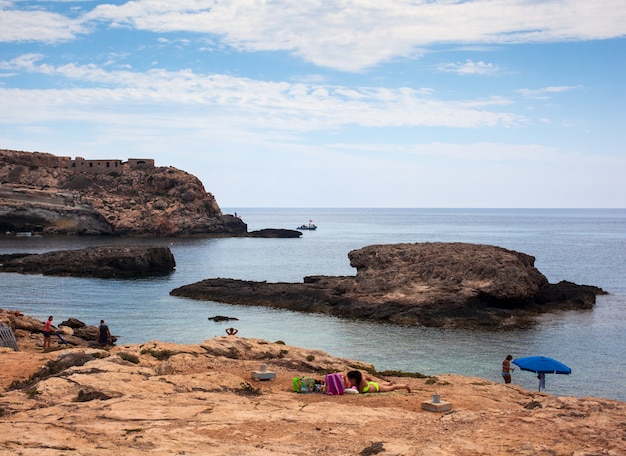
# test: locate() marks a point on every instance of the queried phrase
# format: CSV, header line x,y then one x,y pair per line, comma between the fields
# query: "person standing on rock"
x,y
104,335
542,380
47,331
507,369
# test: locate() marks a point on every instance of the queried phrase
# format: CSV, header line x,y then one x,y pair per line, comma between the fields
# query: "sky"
x,y
322,103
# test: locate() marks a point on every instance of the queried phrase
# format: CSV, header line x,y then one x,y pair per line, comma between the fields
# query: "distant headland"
x,y
49,194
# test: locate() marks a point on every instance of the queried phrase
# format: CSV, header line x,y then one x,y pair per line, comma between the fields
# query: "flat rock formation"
x,y
160,398
101,262
430,284
275,233
49,194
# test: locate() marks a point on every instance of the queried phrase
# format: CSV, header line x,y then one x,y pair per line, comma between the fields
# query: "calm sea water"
x,y
583,246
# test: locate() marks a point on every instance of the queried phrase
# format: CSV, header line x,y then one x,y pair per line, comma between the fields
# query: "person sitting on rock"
x,y
366,384
104,335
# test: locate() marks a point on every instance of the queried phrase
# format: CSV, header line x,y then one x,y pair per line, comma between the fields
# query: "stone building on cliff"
x,y
80,164
105,166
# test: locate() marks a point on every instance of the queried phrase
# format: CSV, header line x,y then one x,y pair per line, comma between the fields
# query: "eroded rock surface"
x,y
42,192
431,284
160,398
102,262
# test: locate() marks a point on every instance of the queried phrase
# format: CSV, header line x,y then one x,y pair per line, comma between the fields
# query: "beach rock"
x,y
16,320
73,323
101,262
161,398
30,331
88,333
430,284
66,330
45,193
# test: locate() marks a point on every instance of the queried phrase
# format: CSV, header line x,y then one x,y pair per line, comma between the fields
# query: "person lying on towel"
x,y
366,384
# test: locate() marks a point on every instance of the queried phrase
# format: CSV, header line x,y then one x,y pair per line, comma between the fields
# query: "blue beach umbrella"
x,y
542,365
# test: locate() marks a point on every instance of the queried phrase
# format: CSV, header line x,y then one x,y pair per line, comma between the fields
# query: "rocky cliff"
x,y
50,194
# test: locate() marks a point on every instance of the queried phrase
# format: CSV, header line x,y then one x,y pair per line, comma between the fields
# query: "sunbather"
x,y
366,384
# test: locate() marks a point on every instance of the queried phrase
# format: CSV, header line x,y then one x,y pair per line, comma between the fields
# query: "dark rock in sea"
x,y
275,233
102,262
430,284
219,318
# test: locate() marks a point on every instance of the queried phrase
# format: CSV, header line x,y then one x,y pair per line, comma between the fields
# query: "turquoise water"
x,y
583,246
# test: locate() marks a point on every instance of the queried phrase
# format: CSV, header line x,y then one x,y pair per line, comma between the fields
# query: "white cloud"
x,y
353,35
470,68
545,93
253,103
349,35
473,152
37,25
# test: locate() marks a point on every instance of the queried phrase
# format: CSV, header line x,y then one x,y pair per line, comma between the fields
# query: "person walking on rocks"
x,y
47,331
507,369
104,335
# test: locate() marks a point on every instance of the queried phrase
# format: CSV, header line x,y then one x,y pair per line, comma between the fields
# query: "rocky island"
x,y
49,194
430,284
101,262
160,398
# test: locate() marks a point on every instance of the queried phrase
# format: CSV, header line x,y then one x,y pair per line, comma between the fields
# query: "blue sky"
x,y
319,103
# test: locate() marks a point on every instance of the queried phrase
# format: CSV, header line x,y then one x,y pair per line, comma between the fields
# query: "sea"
x,y
585,246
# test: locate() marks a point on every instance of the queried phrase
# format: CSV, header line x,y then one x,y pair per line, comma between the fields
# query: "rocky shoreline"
x,y
160,398
28,331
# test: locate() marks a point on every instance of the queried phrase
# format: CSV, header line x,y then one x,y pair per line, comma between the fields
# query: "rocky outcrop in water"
x,y
57,195
279,233
101,262
431,284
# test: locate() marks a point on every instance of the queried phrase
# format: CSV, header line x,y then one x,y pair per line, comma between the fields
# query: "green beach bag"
x,y
303,384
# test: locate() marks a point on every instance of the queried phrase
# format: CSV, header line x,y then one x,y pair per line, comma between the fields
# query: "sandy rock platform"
x,y
165,399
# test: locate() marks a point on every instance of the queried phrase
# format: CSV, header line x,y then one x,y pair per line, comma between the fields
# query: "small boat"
x,y
311,226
